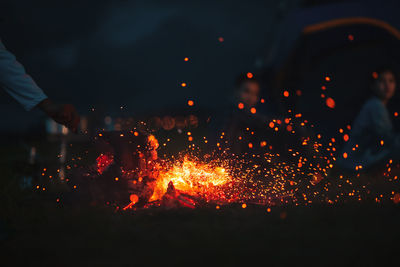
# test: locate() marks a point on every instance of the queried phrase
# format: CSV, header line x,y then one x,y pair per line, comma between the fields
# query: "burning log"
x,y
128,165
174,199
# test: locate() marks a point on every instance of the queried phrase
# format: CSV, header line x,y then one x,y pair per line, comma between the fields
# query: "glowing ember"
x,y
103,161
330,102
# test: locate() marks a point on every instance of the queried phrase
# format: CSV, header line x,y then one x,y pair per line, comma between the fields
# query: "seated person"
x,y
372,138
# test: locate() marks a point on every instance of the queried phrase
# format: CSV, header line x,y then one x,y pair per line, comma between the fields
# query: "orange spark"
x,y
330,102
286,94
263,143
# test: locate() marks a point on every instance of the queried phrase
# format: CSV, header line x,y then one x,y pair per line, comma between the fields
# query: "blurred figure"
x,y
247,91
243,125
23,88
372,138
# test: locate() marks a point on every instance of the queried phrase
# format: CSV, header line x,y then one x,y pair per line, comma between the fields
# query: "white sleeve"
x,y
17,82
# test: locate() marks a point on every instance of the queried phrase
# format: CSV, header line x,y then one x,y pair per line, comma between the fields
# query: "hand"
x,y
64,114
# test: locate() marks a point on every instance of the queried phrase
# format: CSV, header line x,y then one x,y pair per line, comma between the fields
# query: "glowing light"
x,y
220,39
249,75
396,198
263,143
190,103
286,94
375,75
153,142
103,162
271,124
346,137
327,78
241,106
299,164
183,84
186,59
133,198
191,177
253,110
250,145
345,155
262,100
330,102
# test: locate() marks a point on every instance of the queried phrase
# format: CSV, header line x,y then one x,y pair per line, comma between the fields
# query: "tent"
x,y
331,51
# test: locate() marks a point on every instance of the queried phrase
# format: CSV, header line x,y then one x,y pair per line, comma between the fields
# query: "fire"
x,y
103,161
192,177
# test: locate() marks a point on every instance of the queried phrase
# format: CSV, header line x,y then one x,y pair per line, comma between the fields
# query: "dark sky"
x,y
105,54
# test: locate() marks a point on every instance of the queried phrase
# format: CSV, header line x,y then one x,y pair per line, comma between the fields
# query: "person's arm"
x,y
15,80
381,123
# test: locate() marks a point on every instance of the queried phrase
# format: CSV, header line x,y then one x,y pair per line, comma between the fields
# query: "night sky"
x,y
105,54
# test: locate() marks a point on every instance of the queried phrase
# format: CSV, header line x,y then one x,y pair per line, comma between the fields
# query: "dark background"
x,y
107,54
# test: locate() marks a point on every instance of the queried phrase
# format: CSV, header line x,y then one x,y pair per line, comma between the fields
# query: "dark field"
x,y
41,233
38,231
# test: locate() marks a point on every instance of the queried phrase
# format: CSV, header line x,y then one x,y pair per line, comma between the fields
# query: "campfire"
x,y
191,181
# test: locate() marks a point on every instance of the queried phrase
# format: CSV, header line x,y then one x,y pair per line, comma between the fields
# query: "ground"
x,y
35,229
56,235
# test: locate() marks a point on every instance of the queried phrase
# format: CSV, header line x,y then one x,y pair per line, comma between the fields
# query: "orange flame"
x,y
191,177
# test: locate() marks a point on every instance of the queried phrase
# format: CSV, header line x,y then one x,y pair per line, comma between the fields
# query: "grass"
x,y
42,232
360,235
